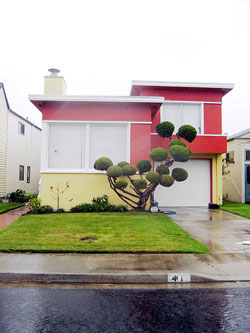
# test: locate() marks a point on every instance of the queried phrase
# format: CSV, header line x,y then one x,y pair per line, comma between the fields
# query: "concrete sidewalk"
x,y
222,232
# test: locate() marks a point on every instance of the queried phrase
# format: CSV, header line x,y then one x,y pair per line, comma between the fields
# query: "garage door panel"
x,y
194,191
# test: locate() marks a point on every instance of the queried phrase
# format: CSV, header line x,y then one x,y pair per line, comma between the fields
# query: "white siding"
x,y
22,150
3,141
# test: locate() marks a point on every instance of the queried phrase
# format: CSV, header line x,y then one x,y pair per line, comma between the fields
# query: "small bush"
x,y
121,184
103,163
179,174
162,169
176,142
100,204
114,171
34,204
60,210
122,164
117,208
165,129
179,153
158,154
166,180
82,208
18,196
129,170
45,210
140,184
144,166
153,177
187,132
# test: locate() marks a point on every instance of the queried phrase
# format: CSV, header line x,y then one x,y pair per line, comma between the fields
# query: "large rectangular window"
x,y
77,146
182,114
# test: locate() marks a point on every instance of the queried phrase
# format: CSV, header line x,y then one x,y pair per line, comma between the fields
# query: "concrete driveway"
x,y
218,230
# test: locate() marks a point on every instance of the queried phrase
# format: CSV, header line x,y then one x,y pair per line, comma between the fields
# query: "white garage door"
x,y
194,191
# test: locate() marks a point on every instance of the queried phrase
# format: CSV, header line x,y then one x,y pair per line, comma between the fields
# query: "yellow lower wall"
x,y
83,187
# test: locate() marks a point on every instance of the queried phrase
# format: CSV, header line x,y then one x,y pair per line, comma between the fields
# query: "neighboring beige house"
x,y
236,178
20,149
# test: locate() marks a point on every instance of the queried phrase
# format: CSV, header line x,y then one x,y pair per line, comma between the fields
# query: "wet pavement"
x,y
11,216
45,309
218,230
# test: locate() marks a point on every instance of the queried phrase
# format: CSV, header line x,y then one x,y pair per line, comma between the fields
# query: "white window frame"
x,y
188,102
45,145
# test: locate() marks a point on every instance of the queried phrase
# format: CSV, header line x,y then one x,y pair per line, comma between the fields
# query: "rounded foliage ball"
x,y
179,174
153,177
122,164
158,154
143,166
162,169
176,142
166,180
103,163
179,153
187,132
165,129
140,184
114,171
129,170
121,184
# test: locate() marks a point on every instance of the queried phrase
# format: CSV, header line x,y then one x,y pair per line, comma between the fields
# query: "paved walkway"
x,y
218,230
11,216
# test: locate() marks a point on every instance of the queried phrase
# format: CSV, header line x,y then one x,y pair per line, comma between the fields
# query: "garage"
x,y
194,191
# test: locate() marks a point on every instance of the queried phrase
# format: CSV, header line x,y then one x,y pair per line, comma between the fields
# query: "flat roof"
x,y
226,87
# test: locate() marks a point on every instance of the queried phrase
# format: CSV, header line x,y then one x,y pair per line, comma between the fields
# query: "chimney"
x,y
54,84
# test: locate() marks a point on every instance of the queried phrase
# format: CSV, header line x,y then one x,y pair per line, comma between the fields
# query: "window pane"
x,y
248,174
28,174
66,146
247,155
21,172
108,141
182,114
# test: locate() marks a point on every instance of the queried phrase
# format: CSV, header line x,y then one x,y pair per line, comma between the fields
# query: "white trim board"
x,y
96,122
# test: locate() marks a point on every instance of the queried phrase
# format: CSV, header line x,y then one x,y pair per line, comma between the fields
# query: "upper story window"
x,y
247,155
77,146
230,157
21,128
182,114
21,172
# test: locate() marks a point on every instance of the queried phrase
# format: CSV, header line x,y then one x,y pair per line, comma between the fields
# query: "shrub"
x,y
165,129
187,132
117,208
144,166
34,204
45,210
18,196
82,208
179,174
166,180
158,154
100,204
121,184
60,210
162,169
153,177
140,184
114,171
179,153
103,163
176,142
122,164
129,170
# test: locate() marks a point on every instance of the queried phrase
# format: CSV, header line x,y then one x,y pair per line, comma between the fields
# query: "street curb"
x,y
100,278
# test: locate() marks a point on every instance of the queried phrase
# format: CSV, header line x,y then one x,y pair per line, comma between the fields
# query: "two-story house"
x,y
79,129
20,150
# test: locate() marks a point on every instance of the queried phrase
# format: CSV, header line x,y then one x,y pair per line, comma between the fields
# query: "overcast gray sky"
x,y
101,46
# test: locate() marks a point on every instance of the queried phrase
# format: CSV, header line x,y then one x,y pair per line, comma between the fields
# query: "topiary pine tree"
x,y
141,188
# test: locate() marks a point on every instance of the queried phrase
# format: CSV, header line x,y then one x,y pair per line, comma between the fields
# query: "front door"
x,y
247,183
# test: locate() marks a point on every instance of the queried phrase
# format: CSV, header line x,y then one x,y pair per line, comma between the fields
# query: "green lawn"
x,y
111,232
241,209
4,207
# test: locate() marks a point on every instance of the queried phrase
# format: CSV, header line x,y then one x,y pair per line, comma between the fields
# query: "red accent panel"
x,y
211,180
212,119
202,144
91,111
140,142
156,119
183,94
